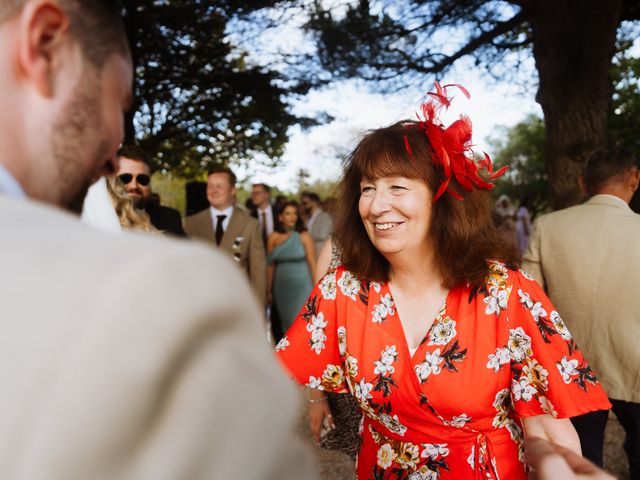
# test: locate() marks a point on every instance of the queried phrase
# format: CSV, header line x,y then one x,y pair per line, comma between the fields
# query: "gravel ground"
x,y
338,466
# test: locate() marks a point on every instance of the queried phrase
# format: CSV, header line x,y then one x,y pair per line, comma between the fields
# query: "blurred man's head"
x,y
611,170
261,195
66,77
135,174
221,188
310,202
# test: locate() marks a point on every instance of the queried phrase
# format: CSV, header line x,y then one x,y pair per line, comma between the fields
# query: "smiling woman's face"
x,y
396,213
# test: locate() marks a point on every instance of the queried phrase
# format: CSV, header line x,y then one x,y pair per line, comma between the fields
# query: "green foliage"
x,y
198,101
624,118
521,147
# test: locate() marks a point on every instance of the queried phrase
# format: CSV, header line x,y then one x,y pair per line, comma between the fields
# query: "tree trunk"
x,y
574,43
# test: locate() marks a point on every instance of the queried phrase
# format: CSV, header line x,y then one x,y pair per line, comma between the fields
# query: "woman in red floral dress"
x,y
452,353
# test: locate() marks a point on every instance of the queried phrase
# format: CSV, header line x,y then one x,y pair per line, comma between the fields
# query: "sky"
x,y
356,109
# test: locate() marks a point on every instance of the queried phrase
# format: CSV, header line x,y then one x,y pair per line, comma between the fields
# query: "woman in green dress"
x,y
291,263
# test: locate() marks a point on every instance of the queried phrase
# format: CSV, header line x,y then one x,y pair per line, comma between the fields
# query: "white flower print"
x,y
315,382
525,299
538,311
497,300
342,340
519,345
547,407
459,421
333,376
383,309
349,285
527,275
386,456
385,364
567,368
433,450
523,390
560,326
501,357
316,326
408,456
328,286
393,424
376,286
351,365
442,332
282,344
471,460
363,390
431,365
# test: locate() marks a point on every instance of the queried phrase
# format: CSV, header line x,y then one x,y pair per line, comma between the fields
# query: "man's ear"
x,y
583,187
634,179
42,33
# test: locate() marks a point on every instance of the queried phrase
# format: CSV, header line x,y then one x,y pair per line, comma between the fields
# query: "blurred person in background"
x,y
523,224
291,263
318,222
135,174
588,259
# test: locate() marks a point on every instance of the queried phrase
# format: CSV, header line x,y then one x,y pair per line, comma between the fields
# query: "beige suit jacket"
x,y
133,357
320,230
242,241
588,259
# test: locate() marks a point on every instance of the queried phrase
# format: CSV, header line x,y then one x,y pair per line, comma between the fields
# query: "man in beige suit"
x,y
231,229
122,356
588,259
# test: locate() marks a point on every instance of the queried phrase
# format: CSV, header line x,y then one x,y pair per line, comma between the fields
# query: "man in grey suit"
x,y
231,229
318,222
588,259
123,356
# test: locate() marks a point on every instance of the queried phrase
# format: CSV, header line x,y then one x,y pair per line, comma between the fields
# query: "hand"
x,y
319,417
549,461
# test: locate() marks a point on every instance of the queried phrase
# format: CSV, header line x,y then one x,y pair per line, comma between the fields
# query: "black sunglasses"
x,y
142,178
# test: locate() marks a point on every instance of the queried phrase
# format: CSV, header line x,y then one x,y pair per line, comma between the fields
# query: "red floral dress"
x,y
452,410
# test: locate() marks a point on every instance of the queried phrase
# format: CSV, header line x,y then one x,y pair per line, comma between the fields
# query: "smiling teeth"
x,y
384,226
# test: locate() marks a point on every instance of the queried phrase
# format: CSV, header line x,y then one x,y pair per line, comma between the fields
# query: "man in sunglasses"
x,y
135,174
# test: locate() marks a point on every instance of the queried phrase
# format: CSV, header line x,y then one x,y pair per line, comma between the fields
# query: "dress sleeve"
x,y
310,350
549,373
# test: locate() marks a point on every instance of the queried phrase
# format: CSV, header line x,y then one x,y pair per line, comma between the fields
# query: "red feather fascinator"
x,y
452,145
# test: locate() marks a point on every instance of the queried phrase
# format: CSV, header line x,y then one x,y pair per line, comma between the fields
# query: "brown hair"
x,y
97,24
232,176
605,165
134,152
463,233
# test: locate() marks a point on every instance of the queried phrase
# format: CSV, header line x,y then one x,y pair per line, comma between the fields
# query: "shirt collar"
x,y
227,211
610,199
9,185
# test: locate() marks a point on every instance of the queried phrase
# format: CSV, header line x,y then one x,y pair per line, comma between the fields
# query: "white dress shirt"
x,y
9,186
214,216
266,214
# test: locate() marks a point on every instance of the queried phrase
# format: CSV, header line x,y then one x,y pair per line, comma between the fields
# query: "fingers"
x,y
551,461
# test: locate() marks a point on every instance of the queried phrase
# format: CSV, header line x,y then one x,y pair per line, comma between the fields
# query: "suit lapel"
x,y
204,224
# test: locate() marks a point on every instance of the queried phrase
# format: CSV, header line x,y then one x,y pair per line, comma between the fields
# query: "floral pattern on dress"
x,y
383,309
424,460
494,355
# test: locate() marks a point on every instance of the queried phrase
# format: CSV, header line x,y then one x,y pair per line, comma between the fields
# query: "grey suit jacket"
x,y
133,357
242,241
320,230
588,259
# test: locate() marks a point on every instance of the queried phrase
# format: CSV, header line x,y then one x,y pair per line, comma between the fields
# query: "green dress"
x,y
292,282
